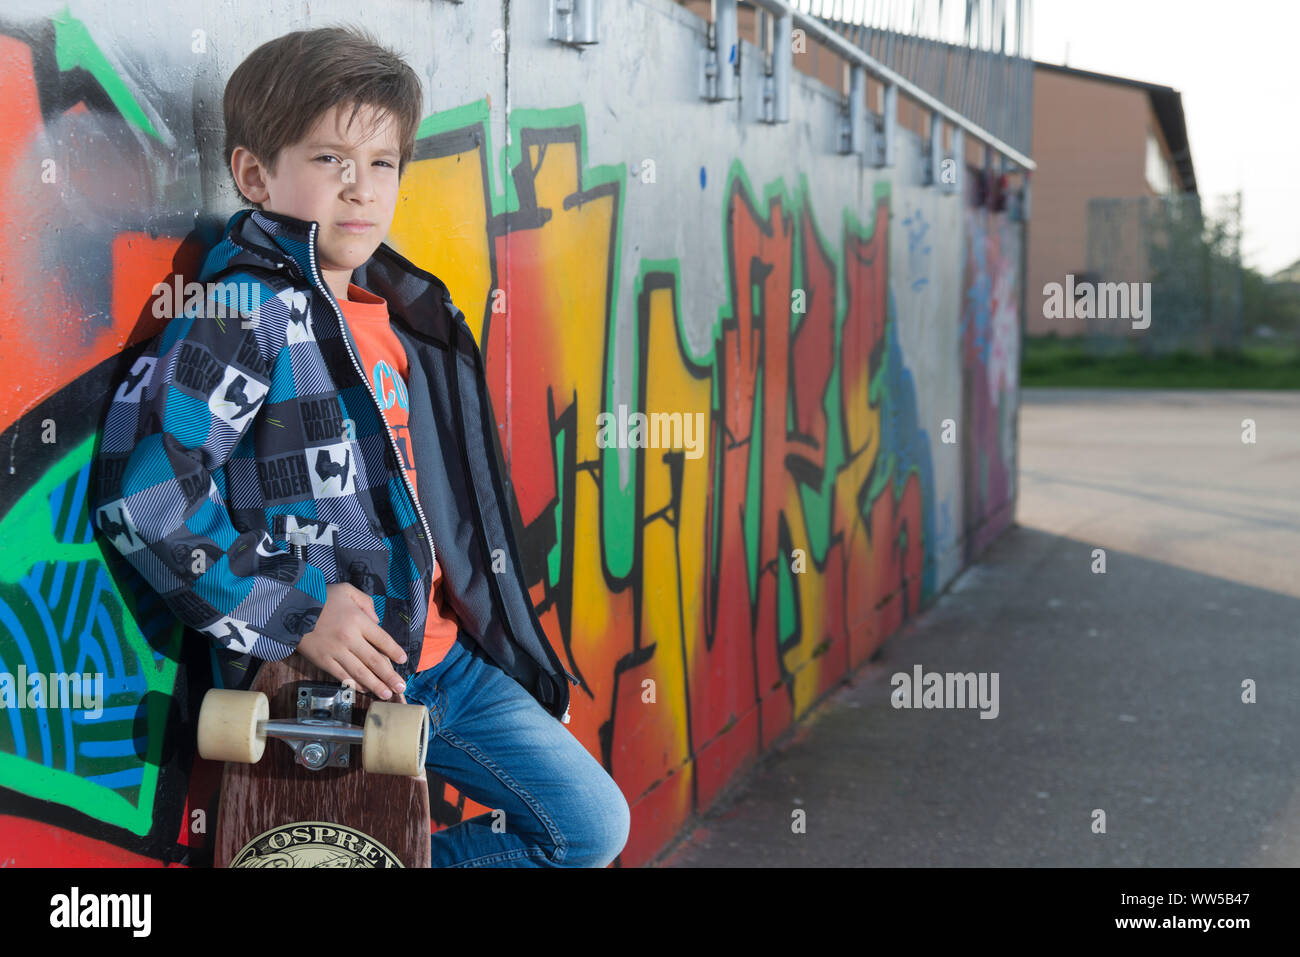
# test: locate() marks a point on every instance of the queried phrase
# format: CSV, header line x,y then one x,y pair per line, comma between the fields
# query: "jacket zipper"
x,y
428,536
392,440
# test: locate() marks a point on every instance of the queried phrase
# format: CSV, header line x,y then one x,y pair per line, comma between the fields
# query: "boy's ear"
x,y
250,176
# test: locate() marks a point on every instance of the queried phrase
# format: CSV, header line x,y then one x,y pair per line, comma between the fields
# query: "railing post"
x,y
855,138
722,58
959,159
887,129
936,150
782,67
990,178
574,21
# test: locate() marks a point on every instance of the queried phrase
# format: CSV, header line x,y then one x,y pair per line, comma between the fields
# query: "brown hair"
x,y
282,89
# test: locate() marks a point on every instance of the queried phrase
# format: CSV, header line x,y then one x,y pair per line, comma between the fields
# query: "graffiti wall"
x,y
838,343
990,330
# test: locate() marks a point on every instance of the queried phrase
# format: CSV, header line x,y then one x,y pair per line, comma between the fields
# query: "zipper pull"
x,y
298,544
569,676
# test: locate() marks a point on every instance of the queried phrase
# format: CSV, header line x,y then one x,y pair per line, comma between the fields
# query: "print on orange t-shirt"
x,y
384,359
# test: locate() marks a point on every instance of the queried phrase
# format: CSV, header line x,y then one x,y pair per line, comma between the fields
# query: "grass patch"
x,y
1053,361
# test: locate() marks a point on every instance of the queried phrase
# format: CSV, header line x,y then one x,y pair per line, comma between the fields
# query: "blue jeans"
x,y
554,804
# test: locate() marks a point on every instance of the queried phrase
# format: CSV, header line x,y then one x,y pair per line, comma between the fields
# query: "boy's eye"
x,y
330,156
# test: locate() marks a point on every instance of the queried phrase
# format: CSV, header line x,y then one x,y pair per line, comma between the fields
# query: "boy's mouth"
x,y
357,226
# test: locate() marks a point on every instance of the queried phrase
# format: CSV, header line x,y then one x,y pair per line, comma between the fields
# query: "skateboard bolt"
x,y
314,754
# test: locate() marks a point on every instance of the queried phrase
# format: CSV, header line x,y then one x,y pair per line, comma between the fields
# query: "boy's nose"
x,y
357,181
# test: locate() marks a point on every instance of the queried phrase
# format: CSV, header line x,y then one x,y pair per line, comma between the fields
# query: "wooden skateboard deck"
x,y
277,813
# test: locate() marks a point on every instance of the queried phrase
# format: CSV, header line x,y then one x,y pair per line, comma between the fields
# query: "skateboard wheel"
x,y
395,738
228,725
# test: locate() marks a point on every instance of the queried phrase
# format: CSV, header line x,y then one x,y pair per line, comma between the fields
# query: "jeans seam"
x,y
501,856
557,838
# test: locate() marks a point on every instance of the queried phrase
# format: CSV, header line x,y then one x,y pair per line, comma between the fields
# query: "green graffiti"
x,y
94,749
74,47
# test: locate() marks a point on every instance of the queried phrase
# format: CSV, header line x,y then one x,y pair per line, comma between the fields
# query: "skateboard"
x,y
312,798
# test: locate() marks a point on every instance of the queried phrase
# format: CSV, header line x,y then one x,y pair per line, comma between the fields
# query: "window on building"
x,y
1157,169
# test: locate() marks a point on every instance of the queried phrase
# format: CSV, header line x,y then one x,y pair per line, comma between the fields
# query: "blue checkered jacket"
x,y
245,464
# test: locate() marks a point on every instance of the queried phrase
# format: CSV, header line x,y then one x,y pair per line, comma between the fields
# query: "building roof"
x,y
1168,106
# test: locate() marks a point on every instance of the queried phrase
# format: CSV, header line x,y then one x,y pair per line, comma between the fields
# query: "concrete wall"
x,y
649,245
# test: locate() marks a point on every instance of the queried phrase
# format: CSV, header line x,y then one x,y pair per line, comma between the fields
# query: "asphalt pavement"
x,y
1121,736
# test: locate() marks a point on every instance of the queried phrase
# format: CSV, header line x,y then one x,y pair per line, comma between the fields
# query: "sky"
x,y
1237,66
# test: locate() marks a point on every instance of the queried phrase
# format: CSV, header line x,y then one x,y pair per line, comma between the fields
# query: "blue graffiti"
x,y
977,317
918,250
67,618
904,445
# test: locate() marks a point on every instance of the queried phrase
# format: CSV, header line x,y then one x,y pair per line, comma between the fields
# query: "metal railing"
x,y
788,18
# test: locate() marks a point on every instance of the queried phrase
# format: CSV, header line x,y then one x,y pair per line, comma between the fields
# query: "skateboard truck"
x,y
323,732
235,725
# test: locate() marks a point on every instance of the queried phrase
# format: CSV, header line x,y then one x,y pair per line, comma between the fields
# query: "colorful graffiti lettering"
x,y
653,570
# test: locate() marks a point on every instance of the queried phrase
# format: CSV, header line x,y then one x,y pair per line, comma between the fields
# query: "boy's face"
x,y
346,180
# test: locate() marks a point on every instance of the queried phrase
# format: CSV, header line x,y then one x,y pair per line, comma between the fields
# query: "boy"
x,y
320,473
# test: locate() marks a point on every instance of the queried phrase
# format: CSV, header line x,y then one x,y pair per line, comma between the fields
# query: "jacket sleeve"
x,y
175,420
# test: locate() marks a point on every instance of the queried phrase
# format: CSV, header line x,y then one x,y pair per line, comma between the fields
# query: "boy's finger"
x,y
382,644
379,665
363,601
364,677
382,640
340,674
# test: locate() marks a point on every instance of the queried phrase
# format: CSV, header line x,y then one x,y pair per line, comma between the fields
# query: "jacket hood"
x,y
275,242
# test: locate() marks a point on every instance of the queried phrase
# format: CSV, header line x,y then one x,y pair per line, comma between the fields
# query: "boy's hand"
x,y
348,643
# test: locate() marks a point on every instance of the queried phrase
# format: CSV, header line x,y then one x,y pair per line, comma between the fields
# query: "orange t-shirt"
x,y
382,354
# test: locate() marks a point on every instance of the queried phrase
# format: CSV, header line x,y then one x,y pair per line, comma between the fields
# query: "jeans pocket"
x,y
437,710
430,696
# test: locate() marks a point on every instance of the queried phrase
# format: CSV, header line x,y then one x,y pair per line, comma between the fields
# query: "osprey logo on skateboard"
x,y
314,844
